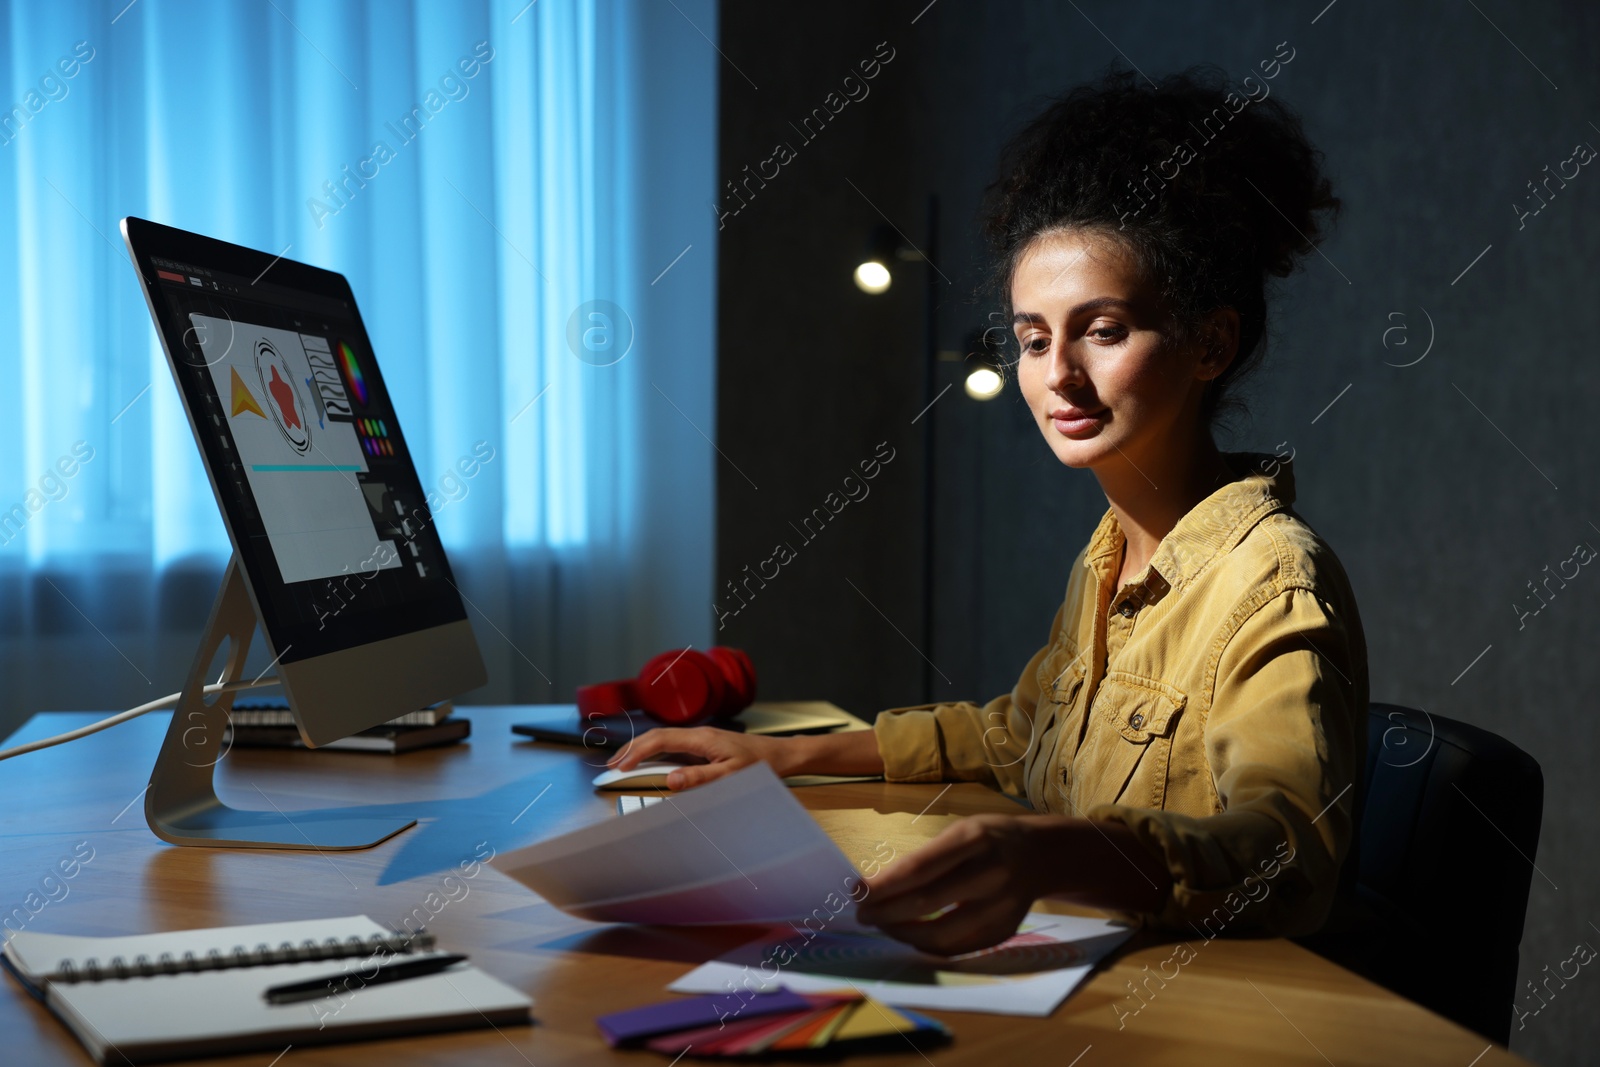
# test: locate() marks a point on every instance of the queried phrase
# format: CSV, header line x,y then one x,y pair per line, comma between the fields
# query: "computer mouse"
x,y
644,776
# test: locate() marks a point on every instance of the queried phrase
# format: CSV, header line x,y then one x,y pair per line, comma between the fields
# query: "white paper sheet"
x,y
1030,974
739,849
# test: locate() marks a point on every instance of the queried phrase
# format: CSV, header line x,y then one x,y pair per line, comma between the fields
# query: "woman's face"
x,y
1098,365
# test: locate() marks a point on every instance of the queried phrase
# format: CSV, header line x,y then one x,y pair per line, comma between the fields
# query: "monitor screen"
x,y
301,442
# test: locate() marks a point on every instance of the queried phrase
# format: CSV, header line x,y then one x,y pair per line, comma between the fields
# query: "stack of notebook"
x,y
270,724
727,1024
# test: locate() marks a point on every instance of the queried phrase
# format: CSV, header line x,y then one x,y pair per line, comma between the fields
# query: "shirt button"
x,y
1126,608
1136,720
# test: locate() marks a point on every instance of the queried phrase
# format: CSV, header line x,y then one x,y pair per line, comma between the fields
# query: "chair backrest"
x,y
1449,835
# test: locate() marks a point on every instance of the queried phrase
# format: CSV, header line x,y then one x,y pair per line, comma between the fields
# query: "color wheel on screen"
x,y
353,378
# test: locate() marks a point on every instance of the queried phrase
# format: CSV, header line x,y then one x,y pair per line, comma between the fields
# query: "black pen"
x,y
395,970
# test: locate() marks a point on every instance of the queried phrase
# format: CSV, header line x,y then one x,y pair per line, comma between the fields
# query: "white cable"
x,y
132,713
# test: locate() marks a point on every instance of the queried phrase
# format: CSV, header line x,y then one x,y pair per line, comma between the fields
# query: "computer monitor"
x,y
335,552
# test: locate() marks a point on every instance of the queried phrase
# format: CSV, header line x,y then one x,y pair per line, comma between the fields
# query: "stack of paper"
x,y
728,1024
1030,973
739,849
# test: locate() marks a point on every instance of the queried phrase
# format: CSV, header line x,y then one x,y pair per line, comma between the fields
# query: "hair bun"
x,y
1259,166
1212,186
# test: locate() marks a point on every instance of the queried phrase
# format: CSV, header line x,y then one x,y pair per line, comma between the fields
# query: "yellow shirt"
x,y
1216,705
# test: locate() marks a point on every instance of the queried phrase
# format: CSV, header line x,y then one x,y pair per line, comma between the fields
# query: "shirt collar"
x,y
1265,484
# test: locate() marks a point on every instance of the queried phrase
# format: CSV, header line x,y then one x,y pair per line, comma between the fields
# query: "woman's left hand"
x,y
967,889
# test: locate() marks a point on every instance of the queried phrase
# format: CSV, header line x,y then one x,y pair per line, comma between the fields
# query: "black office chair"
x,y
1449,828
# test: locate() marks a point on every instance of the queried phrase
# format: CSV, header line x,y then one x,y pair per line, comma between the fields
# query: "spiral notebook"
x,y
154,997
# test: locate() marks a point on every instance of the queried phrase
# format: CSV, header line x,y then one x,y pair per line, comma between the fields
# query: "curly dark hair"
x,y
1210,189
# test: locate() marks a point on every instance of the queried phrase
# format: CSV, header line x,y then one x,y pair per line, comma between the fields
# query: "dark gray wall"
x,y
813,375
1445,486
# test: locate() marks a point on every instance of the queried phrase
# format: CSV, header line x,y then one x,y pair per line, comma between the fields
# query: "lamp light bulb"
x,y
872,277
984,384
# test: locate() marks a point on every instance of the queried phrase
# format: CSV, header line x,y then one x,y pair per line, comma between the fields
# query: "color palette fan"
x,y
765,1023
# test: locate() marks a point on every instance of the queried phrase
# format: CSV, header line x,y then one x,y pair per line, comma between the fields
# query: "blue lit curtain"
x,y
484,220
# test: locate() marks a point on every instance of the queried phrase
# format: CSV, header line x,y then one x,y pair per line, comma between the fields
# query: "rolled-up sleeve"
x,y
1285,739
964,741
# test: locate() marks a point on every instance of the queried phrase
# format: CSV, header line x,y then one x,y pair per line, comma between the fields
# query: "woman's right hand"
x,y
724,752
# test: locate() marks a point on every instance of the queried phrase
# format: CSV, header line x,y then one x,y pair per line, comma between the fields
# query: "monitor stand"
x,y
181,804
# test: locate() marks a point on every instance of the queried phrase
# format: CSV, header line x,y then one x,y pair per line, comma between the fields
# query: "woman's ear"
x,y
1220,329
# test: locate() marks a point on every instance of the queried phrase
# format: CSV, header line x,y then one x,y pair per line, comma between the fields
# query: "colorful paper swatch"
x,y
728,1025
687,1013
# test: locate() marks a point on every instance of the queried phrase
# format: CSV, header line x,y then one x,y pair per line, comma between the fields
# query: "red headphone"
x,y
681,687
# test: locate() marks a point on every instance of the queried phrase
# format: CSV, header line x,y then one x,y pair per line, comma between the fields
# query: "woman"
x,y
1191,733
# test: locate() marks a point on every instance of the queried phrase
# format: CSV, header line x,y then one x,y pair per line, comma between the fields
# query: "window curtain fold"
x,y
499,181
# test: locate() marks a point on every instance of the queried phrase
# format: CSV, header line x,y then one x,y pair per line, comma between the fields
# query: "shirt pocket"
x,y
1128,747
1056,721
1061,675
1061,679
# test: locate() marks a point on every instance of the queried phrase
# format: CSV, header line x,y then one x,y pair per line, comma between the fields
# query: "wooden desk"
x,y
1236,1002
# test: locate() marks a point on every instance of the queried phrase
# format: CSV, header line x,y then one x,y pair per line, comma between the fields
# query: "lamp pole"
x,y
930,384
